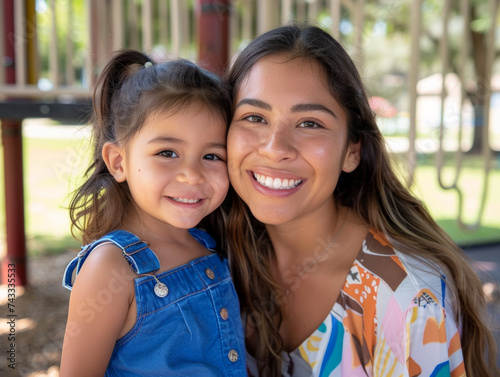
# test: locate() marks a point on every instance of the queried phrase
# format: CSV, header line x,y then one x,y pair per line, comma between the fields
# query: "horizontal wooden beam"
x,y
76,113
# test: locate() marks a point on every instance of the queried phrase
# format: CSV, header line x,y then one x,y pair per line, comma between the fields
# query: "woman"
x,y
339,269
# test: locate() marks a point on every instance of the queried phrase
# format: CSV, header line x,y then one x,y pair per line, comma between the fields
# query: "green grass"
x,y
52,168
444,204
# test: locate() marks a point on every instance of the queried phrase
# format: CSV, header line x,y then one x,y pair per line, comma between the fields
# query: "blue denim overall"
x,y
188,319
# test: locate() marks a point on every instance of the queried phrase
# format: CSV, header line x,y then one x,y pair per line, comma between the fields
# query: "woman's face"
x,y
287,143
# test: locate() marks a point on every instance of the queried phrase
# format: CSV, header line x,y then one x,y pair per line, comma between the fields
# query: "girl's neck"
x,y
155,232
173,246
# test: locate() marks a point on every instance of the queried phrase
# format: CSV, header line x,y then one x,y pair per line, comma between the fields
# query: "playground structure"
x,y
216,29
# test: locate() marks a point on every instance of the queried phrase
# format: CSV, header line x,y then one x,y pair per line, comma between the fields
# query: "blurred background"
x,y
431,68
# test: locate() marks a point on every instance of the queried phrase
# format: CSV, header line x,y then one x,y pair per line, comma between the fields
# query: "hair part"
x,y
130,88
372,190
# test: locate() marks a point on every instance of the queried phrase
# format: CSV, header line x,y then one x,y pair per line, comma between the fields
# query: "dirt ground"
x,y
40,320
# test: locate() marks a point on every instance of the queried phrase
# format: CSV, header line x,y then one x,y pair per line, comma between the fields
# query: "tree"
x,y
479,21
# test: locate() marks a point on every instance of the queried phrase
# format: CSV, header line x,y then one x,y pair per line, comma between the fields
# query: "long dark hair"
x,y
372,190
130,87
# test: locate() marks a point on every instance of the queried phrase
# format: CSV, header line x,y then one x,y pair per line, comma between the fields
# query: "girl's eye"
x,y
254,119
168,154
212,157
309,124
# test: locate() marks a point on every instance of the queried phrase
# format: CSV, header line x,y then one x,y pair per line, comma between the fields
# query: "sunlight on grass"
x,y
444,204
54,158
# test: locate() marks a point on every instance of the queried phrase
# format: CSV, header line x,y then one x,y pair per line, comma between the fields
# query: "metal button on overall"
x,y
233,356
224,314
210,273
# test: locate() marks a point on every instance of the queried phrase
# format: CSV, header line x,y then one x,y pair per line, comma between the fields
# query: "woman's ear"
x,y
113,157
352,157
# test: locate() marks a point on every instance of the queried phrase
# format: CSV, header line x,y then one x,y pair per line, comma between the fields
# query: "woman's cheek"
x,y
237,143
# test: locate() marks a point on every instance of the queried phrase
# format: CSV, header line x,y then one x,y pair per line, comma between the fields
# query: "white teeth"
x,y
184,200
268,182
276,183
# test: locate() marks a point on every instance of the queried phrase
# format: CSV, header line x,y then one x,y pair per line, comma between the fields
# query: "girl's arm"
x,y
98,309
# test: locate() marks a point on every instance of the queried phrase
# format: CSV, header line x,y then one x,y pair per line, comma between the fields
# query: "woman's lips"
x,y
274,186
276,183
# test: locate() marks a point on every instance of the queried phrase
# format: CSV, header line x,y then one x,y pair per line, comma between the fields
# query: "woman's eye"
x,y
254,119
212,157
309,124
168,154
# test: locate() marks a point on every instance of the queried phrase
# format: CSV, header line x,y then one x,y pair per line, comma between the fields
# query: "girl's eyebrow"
x,y
166,139
296,108
174,140
217,145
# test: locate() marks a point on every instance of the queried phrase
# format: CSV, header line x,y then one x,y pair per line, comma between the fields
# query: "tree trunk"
x,y
479,94
477,141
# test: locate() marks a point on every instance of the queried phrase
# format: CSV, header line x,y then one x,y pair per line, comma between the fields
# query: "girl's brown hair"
x,y
130,87
373,191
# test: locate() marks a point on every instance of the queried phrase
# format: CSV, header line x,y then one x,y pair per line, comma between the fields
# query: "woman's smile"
x,y
276,183
287,143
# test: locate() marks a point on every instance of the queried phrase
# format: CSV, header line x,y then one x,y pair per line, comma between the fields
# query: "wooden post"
x,y
213,34
13,266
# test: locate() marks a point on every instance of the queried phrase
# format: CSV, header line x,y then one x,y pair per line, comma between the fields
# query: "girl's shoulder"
x,y
111,257
104,266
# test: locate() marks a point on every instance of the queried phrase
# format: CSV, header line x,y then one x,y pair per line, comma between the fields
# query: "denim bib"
x,y
188,318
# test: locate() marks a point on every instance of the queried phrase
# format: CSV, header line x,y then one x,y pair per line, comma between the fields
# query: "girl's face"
x,y
287,143
175,166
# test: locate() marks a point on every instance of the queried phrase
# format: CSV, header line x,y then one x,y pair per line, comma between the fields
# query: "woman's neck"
x,y
295,243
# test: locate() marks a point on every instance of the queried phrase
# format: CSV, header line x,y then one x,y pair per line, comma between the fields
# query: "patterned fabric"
x,y
393,317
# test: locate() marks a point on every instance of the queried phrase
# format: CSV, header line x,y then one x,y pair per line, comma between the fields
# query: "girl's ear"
x,y
113,157
352,157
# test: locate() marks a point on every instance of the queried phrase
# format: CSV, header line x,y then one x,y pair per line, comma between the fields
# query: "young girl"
x,y
152,298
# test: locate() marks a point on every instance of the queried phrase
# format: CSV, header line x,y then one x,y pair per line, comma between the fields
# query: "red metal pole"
x,y
13,266
213,34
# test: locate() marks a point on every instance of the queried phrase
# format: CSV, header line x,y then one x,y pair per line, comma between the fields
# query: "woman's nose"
x,y
277,145
190,172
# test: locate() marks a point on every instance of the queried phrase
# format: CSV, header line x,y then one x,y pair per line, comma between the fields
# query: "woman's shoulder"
x,y
399,275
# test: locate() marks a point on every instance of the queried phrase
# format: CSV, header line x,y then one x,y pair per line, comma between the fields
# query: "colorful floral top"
x,y
393,318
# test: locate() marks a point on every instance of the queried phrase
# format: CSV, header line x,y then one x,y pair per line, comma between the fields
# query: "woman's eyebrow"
x,y
254,102
296,108
312,107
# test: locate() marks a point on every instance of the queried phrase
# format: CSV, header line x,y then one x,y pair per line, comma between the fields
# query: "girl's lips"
x,y
185,202
274,186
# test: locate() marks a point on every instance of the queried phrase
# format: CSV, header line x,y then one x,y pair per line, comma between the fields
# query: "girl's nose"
x,y
190,172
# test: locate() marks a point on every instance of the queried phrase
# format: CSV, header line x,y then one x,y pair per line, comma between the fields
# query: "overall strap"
x,y
140,257
204,238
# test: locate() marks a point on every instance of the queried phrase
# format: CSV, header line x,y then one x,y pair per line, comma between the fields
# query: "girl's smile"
x,y
175,167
